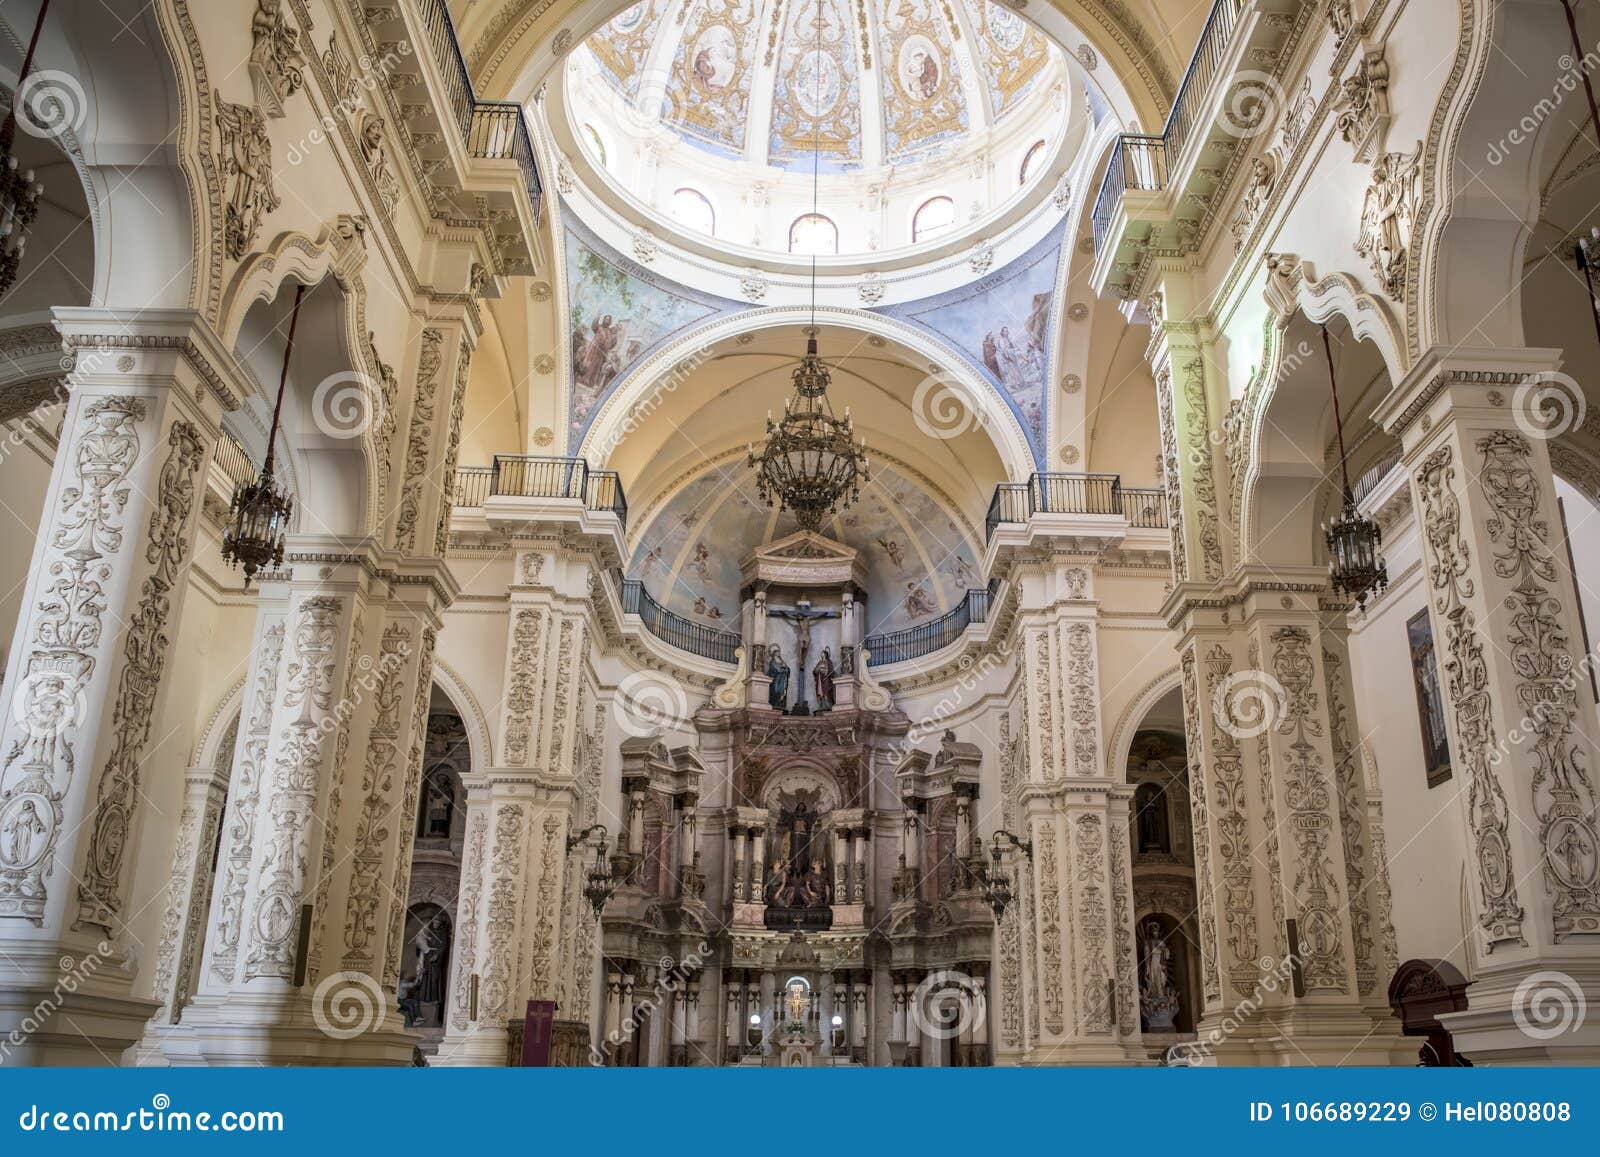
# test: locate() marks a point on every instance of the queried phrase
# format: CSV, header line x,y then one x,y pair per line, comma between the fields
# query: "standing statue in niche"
x,y
822,681
778,672
1158,999
438,804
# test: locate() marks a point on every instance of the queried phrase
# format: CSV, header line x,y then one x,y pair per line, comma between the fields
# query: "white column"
x,y
87,673
758,853
736,862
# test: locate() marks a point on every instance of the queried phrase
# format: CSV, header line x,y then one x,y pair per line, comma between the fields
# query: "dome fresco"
x,y
877,83
921,557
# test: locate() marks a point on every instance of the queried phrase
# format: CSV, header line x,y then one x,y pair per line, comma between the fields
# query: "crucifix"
x,y
801,614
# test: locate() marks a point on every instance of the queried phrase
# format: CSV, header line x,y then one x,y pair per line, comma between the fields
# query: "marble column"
x,y
1518,702
87,673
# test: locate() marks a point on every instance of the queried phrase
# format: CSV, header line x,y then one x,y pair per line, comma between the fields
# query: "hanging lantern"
x,y
1355,566
258,517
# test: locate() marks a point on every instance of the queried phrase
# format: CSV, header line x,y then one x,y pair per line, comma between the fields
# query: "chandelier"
x,y
811,462
1355,566
19,192
259,514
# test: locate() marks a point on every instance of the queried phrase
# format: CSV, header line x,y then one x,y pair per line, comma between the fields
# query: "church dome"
x,y
927,117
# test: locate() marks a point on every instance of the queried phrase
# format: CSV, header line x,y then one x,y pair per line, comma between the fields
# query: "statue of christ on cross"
x,y
802,614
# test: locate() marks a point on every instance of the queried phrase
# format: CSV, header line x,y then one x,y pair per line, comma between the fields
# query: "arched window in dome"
x,y
1034,154
691,210
813,233
596,145
932,217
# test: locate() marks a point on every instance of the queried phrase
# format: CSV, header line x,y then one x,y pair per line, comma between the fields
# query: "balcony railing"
x,y
535,476
1145,162
490,129
936,634
473,484
1059,493
1053,494
498,132
1145,508
234,459
671,627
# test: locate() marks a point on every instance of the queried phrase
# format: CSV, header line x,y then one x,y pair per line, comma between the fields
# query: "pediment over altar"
x,y
803,559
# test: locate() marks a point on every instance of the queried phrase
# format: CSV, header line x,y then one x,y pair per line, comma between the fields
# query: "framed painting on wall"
x,y
1430,698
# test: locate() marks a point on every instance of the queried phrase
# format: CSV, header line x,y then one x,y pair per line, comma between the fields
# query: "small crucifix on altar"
x,y
802,614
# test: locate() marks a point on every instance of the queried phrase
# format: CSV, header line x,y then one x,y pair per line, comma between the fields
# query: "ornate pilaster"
x,y
1284,875
433,437
524,930
1520,714
88,670
1188,416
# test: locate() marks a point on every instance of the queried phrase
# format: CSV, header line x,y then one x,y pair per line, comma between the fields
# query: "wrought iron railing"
x,y
1143,162
1137,162
473,484
534,476
1052,493
1145,508
441,33
671,627
234,459
936,634
491,129
538,476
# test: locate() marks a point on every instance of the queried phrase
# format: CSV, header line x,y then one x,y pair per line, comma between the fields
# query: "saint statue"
x,y
822,681
778,672
1158,999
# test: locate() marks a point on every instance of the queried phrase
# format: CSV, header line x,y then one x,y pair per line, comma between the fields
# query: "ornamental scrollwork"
x,y
1467,684
1541,658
